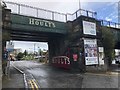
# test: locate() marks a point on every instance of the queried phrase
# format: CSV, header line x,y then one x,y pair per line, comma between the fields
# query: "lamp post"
x,y
38,50
34,49
79,7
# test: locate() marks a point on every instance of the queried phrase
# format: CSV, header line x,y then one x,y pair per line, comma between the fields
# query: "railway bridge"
x,y
61,31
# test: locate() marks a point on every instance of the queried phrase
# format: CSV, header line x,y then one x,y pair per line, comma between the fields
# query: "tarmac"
x,y
13,81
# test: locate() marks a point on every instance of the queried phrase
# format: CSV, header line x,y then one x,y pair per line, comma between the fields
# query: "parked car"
x,y
39,57
12,58
117,59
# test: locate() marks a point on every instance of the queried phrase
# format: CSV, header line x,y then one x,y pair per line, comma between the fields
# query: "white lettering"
x,y
53,24
46,24
68,61
31,21
41,22
36,23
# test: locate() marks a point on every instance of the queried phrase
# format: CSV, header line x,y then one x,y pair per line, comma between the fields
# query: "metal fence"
x,y
35,12
84,13
110,24
47,14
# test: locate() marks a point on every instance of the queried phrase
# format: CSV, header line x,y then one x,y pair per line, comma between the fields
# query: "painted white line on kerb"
x,y
24,76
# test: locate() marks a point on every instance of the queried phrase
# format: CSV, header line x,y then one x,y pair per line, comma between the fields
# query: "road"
x,y
45,76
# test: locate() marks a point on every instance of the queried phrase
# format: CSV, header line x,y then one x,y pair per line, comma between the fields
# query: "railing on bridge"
x,y
110,24
80,12
35,12
47,14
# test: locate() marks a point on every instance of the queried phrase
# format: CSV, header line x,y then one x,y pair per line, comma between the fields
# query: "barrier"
x,y
61,61
52,15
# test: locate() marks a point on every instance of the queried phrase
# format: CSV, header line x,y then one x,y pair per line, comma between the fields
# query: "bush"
x,y
20,56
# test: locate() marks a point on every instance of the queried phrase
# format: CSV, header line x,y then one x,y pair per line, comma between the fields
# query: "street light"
x,y
38,50
34,49
80,7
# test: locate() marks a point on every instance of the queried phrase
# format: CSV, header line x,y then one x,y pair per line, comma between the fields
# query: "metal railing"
x,y
46,14
109,24
52,15
35,12
83,12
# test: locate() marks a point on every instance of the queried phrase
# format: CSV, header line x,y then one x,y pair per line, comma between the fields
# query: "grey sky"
x,y
30,45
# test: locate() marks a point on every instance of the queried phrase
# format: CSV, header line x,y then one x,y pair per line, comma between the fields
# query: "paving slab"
x,y
15,80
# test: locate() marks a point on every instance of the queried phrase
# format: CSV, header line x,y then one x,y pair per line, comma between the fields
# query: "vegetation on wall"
x,y
108,44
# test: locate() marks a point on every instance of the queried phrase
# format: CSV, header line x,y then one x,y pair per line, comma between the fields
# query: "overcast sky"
x,y
106,9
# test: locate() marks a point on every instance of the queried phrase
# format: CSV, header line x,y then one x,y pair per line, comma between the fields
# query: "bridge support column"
x,y
56,46
5,37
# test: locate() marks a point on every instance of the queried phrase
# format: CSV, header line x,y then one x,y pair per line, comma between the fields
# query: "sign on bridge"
x,y
40,22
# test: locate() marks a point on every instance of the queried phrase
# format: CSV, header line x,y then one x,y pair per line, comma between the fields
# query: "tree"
x,y
108,44
25,53
20,56
40,52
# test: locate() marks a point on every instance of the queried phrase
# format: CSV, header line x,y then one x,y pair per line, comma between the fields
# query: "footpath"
x,y
14,81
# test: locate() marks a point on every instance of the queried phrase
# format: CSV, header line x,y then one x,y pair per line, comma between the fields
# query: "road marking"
x,y
33,85
24,76
106,74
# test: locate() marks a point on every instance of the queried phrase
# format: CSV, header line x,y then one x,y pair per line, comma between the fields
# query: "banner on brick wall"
x,y
91,54
89,28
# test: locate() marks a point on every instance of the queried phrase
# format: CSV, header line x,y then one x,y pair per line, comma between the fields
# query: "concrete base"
x,y
96,68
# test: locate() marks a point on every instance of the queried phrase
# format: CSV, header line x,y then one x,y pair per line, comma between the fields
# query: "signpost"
x,y
101,55
9,48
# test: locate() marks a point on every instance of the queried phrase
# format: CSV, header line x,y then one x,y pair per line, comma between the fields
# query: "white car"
x,y
117,60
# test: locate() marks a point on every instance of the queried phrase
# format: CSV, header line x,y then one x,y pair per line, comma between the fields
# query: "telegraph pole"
x,y
118,13
34,49
79,7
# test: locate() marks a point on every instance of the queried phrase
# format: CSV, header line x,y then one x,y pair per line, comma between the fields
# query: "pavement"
x,y
14,81
102,80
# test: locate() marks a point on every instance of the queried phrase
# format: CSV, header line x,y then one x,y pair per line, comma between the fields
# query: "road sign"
x,y
10,47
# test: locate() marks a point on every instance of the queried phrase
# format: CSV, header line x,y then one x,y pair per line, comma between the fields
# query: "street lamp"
x,y
38,50
80,7
34,49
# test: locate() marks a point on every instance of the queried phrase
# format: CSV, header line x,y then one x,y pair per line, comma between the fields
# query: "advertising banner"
x,y
101,55
90,48
89,28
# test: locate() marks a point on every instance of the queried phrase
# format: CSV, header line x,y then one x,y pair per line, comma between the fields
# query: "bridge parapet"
x,y
27,10
110,24
47,14
56,16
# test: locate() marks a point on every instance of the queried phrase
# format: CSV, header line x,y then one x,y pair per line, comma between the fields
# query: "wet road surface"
x,y
49,77
46,76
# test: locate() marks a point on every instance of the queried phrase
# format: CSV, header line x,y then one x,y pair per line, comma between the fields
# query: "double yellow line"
x,y
33,84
